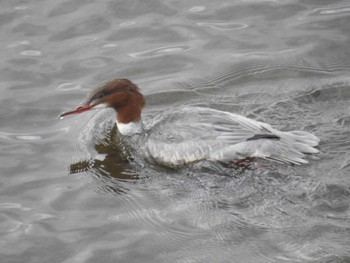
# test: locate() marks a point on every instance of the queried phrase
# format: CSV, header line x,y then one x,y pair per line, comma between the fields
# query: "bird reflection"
x,y
113,160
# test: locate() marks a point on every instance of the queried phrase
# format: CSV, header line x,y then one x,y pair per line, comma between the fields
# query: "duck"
x,y
188,134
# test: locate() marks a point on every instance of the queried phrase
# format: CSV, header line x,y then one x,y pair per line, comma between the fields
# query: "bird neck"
x,y
128,110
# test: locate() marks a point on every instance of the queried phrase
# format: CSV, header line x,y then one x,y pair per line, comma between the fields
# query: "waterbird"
x,y
190,133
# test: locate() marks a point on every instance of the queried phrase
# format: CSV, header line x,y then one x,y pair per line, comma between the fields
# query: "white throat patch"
x,y
129,128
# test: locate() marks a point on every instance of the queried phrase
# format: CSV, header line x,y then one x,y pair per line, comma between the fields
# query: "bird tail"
x,y
294,146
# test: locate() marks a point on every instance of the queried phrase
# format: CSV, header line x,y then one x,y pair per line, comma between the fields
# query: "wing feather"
x,y
195,133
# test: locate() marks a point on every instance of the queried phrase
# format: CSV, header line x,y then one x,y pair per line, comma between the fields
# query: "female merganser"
x,y
194,133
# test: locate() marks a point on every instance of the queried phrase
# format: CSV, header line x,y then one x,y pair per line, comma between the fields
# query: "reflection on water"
x,y
73,190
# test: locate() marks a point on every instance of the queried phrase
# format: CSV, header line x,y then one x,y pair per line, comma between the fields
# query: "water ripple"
x,y
127,23
330,11
39,136
32,53
69,86
197,9
20,7
110,45
94,62
223,25
160,51
265,65
19,43
14,206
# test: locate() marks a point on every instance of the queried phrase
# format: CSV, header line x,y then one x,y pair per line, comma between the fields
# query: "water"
x,y
72,191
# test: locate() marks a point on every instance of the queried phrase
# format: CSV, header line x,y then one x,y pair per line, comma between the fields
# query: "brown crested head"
x,y
119,94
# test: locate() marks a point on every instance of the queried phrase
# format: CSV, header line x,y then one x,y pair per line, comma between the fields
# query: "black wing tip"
x,y
264,136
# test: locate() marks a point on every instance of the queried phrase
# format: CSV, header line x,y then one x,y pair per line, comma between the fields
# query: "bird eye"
x,y
101,95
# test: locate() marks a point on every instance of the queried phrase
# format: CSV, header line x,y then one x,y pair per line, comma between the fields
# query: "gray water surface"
x,y
72,191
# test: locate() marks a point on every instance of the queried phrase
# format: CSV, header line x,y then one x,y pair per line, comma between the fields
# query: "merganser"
x,y
195,133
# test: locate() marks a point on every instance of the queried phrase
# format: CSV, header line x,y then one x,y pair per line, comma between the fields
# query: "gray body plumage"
x,y
194,133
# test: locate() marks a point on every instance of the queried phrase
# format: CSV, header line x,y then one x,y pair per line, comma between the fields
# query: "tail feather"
x,y
304,137
291,148
305,148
